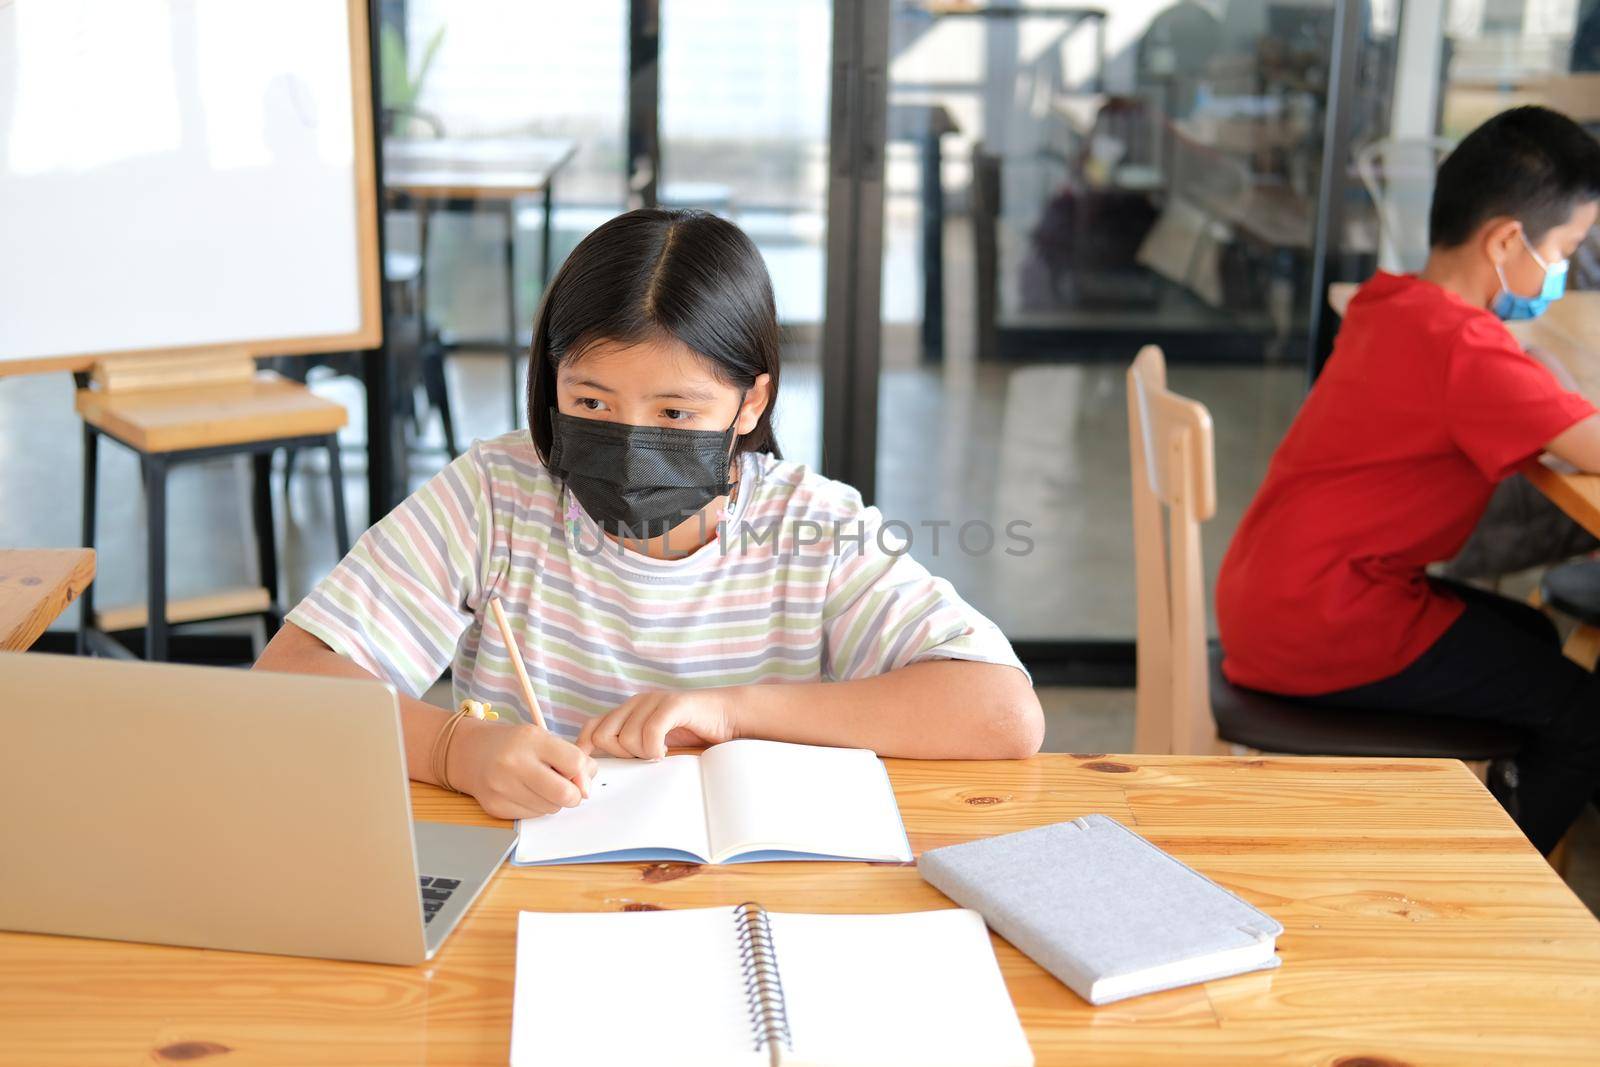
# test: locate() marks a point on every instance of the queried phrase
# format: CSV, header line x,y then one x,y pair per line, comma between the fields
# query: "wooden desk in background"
x,y
1420,928
432,175
36,585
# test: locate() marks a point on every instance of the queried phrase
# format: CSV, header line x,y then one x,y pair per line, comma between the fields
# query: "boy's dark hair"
x,y
651,275
1529,163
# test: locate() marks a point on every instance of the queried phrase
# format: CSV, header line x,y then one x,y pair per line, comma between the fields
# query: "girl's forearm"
x,y
940,709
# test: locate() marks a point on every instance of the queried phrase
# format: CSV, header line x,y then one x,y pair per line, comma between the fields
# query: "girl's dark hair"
x,y
651,275
1530,164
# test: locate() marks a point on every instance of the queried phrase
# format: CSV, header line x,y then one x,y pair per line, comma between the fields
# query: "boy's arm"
x,y
935,709
1555,367
1579,444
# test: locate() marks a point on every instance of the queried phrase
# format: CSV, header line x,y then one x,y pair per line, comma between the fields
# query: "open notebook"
x,y
715,987
737,802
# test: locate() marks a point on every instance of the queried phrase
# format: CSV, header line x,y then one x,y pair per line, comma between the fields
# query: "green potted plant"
x,y
401,84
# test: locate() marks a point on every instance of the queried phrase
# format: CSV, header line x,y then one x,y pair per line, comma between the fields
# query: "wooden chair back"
x,y
1170,438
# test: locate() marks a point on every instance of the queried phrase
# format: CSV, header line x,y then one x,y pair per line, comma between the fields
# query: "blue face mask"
x,y
1513,308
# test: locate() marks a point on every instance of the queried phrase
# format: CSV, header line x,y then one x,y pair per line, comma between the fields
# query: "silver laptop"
x,y
224,809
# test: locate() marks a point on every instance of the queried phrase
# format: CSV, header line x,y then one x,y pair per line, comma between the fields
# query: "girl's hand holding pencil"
x,y
519,771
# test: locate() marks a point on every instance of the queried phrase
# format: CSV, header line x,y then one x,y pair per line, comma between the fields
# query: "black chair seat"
x,y
1574,590
1274,724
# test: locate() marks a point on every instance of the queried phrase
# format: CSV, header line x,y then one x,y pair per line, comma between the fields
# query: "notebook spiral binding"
x,y
769,1017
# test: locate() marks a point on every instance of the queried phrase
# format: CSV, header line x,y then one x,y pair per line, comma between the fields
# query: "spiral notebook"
x,y
737,802
720,987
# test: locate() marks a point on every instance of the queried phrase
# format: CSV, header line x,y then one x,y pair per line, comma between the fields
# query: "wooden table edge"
x,y
32,625
1567,490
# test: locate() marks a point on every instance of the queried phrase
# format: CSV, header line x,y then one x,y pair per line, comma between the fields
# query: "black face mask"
x,y
639,481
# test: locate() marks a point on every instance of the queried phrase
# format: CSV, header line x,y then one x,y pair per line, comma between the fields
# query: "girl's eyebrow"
x,y
690,394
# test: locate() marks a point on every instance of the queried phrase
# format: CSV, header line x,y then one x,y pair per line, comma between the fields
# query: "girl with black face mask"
x,y
671,580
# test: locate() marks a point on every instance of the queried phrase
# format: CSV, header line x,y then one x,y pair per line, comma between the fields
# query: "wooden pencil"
x,y
516,661
517,665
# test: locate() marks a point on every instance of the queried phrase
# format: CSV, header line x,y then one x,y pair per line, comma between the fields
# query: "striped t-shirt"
x,y
801,584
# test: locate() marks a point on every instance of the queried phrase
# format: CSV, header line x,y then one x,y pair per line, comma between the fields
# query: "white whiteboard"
x,y
181,173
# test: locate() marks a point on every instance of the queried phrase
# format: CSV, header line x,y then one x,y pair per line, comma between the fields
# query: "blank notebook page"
x,y
921,989
771,795
626,988
632,804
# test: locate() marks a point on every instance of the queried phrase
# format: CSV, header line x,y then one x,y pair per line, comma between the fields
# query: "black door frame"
x,y
377,371
1329,262
852,304
642,137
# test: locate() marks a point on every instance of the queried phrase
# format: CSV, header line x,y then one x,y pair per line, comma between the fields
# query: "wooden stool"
x,y
177,409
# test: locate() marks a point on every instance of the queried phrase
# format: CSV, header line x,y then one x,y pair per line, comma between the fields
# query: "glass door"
x,y
1063,185
743,132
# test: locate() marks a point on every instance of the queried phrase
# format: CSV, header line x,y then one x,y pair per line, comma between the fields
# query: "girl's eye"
x,y
590,403
676,414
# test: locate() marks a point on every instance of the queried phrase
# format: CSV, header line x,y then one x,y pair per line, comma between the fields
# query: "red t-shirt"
x,y
1426,403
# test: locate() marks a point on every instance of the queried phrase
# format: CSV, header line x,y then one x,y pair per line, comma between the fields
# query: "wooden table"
x,y
1420,928
1570,331
439,174
36,585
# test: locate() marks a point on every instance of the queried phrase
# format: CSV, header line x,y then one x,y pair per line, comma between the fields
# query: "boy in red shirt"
x,y
1425,405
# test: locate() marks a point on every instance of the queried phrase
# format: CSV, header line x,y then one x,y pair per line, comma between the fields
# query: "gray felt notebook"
x,y
1103,909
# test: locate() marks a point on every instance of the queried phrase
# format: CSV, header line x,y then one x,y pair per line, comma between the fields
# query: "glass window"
x,y
1066,185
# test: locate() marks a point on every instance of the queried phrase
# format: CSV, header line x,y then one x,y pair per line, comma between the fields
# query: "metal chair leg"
x,y
437,386
155,492
289,455
266,533
341,527
91,476
513,349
